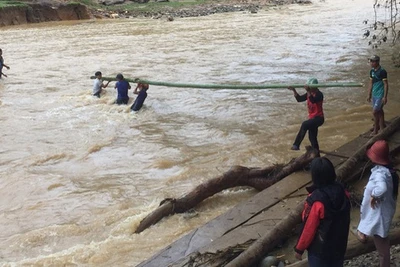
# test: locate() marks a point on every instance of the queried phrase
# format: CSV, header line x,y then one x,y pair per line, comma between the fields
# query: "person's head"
x,y
378,153
322,172
98,74
374,61
311,81
1,52
120,77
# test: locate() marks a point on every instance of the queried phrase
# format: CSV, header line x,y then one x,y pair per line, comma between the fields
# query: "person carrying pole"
x,y
141,91
122,86
314,98
98,84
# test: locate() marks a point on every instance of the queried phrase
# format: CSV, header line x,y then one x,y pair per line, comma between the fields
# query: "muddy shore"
x,y
56,10
252,6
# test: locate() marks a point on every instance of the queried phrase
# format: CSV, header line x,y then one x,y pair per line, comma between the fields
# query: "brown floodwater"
x,y
79,173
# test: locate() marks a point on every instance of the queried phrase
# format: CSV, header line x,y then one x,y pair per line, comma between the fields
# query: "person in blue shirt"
x,y
122,87
2,64
141,91
377,92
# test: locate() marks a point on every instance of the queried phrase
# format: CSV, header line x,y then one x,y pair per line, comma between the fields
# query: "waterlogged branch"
x,y
236,176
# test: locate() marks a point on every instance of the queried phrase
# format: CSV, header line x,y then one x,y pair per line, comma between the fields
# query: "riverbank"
x,y
16,13
202,9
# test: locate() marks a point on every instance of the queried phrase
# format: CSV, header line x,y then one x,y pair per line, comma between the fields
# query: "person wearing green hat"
x,y
378,89
314,98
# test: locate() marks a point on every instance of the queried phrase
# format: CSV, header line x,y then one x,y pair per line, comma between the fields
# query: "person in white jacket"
x,y
379,202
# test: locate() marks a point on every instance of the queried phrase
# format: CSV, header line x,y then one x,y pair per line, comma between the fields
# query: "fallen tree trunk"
x,y
266,243
236,176
355,248
344,170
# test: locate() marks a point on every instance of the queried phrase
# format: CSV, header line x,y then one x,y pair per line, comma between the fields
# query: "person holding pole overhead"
x,y
314,98
141,91
2,64
122,87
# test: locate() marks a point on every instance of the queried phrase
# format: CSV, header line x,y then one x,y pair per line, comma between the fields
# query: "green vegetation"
x,y
383,28
146,7
7,3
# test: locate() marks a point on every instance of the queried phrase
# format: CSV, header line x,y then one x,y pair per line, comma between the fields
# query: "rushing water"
x,y
79,173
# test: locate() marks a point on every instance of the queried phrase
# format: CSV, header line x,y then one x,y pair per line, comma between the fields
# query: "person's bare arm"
x,y
386,90
105,85
137,89
369,91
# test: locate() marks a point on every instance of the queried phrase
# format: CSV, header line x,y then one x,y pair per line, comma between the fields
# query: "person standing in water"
x,y
98,84
141,91
2,64
378,89
314,98
122,87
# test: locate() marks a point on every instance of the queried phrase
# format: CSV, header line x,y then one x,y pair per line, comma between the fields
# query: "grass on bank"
x,y
7,3
151,6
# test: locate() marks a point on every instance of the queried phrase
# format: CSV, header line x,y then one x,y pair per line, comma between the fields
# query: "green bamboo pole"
x,y
234,86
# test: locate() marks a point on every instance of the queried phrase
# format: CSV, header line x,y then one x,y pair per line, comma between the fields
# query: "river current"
x,y
78,173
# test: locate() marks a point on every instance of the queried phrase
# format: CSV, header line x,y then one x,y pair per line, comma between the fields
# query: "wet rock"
x,y
112,2
269,261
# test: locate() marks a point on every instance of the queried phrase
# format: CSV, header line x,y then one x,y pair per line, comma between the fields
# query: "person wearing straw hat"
x,y
314,98
378,89
379,201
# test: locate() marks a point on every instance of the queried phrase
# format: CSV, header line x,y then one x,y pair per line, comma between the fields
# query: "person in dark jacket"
x,y
314,99
326,218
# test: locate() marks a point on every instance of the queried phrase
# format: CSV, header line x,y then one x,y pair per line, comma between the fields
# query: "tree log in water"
x,y
236,176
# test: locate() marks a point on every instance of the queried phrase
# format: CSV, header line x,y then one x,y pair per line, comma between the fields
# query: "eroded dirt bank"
x,y
35,13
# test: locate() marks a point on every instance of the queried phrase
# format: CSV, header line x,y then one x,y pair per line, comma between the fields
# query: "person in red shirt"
x,y
326,218
314,98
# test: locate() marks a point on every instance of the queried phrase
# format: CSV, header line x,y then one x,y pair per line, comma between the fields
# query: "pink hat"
x,y
379,153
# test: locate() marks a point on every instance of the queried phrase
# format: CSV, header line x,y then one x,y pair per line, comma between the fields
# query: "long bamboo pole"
x,y
233,86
